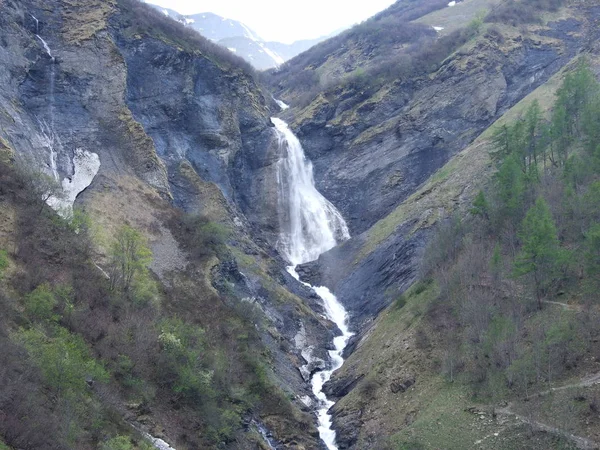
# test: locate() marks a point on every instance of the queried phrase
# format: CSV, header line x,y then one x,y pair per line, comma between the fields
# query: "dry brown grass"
x,y
146,162
84,18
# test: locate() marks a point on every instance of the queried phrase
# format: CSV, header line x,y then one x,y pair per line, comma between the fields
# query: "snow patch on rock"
x,y
85,168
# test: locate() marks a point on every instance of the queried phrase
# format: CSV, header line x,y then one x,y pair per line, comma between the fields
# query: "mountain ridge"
x,y
209,342
242,40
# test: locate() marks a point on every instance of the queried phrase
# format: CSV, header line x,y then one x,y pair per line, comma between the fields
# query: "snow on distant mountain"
x,y
240,39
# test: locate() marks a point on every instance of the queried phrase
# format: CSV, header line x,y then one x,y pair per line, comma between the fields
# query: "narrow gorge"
x,y
340,253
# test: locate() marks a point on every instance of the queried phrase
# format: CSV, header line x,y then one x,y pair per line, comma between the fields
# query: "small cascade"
x,y
49,136
281,104
157,443
37,35
51,142
310,226
46,47
266,435
37,24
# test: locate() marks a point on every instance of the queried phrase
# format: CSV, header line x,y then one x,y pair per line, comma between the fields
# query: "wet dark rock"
x,y
339,387
348,426
401,386
309,273
351,345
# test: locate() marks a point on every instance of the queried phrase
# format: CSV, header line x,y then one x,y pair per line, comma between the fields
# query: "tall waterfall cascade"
x,y
310,225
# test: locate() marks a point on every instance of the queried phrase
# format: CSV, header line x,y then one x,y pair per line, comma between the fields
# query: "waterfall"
x,y
281,104
48,130
37,24
46,47
85,164
310,225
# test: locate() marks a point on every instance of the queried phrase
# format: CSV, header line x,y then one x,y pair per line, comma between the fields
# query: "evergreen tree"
x,y
560,136
593,254
480,206
511,188
575,92
501,142
533,118
540,254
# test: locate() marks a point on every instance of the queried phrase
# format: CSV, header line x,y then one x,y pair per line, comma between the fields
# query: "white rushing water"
x,y
158,443
46,46
49,140
37,24
281,104
310,226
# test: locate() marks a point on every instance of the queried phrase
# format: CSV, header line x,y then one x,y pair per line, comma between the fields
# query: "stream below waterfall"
x,y
310,226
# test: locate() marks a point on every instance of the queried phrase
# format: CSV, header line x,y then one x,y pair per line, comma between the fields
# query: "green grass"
x,y
444,423
453,18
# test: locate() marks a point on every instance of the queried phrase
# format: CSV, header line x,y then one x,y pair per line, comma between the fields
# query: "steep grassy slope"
x,y
408,375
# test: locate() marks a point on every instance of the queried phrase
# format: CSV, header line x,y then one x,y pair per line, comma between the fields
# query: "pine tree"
x,y
501,142
592,254
480,206
533,118
540,253
511,187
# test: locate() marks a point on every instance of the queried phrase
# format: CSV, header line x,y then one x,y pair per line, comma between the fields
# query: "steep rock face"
x,y
210,119
194,111
173,124
70,94
371,152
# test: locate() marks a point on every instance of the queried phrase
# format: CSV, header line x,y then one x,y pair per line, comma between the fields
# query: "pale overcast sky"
x,y
285,20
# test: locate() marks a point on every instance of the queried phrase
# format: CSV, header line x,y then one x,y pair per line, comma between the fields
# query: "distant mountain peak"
x,y
240,39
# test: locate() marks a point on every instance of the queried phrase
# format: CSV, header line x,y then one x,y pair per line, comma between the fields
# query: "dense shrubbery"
x,y
516,12
77,327
532,237
205,237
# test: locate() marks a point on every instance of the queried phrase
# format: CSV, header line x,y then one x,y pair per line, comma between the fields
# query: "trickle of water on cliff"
x,y
85,164
49,133
310,226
